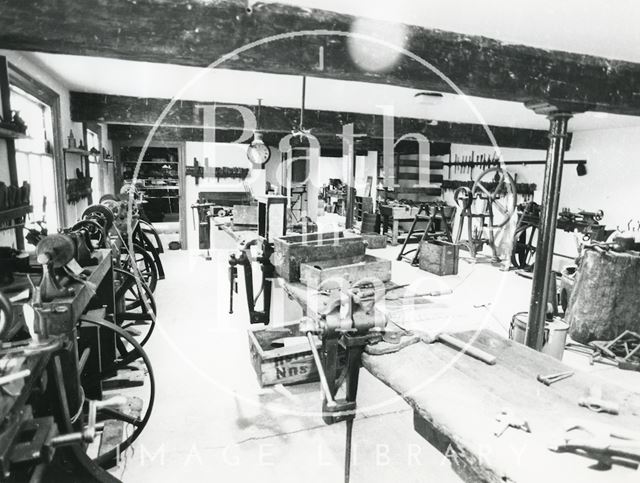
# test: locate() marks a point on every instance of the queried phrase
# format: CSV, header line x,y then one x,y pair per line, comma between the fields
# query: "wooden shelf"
x,y
151,162
13,213
17,212
81,152
6,133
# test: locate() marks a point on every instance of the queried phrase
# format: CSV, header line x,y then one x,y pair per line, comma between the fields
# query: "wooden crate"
x,y
375,240
292,250
439,257
281,365
313,274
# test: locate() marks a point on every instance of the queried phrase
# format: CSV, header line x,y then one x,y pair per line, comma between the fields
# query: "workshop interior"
x,y
319,240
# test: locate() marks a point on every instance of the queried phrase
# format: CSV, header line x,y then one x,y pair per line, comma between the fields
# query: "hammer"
x,y
466,348
448,339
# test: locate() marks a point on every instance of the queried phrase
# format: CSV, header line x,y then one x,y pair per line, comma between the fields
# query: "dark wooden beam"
x,y
132,110
199,32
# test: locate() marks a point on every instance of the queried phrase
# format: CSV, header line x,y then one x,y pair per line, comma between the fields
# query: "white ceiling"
x,y
143,79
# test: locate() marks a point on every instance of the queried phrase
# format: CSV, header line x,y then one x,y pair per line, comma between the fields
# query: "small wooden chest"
x,y
439,257
374,240
277,363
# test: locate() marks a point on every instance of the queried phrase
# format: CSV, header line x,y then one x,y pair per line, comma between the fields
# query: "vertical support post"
x,y
349,154
548,221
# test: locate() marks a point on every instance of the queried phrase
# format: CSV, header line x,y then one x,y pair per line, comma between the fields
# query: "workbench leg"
x,y
394,233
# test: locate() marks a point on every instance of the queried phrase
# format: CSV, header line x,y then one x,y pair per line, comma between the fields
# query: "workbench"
x,y
456,399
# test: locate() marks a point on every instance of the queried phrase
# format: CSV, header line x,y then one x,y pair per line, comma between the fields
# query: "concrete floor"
x,y
212,421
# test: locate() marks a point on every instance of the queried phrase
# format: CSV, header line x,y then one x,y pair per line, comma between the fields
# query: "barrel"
x,y
555,334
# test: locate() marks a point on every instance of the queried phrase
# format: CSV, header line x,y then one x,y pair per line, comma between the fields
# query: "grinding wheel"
x,y
56,249
100,213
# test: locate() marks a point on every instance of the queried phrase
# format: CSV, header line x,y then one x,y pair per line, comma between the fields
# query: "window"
x,y
93,143
34,156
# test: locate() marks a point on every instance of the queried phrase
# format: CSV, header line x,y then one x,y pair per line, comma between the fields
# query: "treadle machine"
x,y
432,213
492,202
271,224
72,368
525,236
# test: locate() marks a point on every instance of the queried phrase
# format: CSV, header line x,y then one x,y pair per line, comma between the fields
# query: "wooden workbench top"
x,y
456,400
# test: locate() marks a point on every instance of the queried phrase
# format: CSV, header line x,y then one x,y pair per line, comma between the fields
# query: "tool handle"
x,y
324,384
14,377
467,349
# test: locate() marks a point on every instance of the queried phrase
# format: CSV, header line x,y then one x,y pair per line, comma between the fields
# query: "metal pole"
x,y
547,234
348,149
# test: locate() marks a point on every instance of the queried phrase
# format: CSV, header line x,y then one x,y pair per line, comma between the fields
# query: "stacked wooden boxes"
x,y
292,250
439,257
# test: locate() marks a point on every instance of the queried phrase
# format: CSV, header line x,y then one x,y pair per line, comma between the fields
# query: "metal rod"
x,y
304,95
347,450
323,378
547,229
515,163
348,149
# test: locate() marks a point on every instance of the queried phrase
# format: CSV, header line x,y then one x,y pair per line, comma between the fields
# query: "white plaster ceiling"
x,y
143,79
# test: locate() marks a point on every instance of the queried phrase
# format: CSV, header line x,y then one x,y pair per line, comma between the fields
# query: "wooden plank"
x,y
197,33
132,117
439,386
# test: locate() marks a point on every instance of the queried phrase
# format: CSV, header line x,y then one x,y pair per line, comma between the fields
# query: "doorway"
x,y
160,182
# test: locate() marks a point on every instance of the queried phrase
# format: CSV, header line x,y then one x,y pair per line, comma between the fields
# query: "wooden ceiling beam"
x,y
199,32
280,121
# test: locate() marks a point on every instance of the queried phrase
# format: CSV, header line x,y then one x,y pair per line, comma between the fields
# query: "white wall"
x,y
223,155
610,183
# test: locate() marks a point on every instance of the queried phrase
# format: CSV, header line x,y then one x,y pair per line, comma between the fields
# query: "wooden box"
x,y
292,250
245,215
375,240
275,363
439,257
313,274
392,212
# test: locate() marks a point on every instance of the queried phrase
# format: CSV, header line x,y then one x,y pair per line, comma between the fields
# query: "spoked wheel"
x,y
145,242
128,373
497,187
144,262
525,242
135,307
148,229
6,314
97,234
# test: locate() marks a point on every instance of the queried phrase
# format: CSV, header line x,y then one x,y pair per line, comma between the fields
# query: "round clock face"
x,y
259,153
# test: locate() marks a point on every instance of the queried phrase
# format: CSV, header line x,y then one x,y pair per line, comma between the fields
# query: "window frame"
x,y
50,97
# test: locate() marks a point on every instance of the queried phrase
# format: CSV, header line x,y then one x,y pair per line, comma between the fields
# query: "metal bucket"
x,y
555,333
